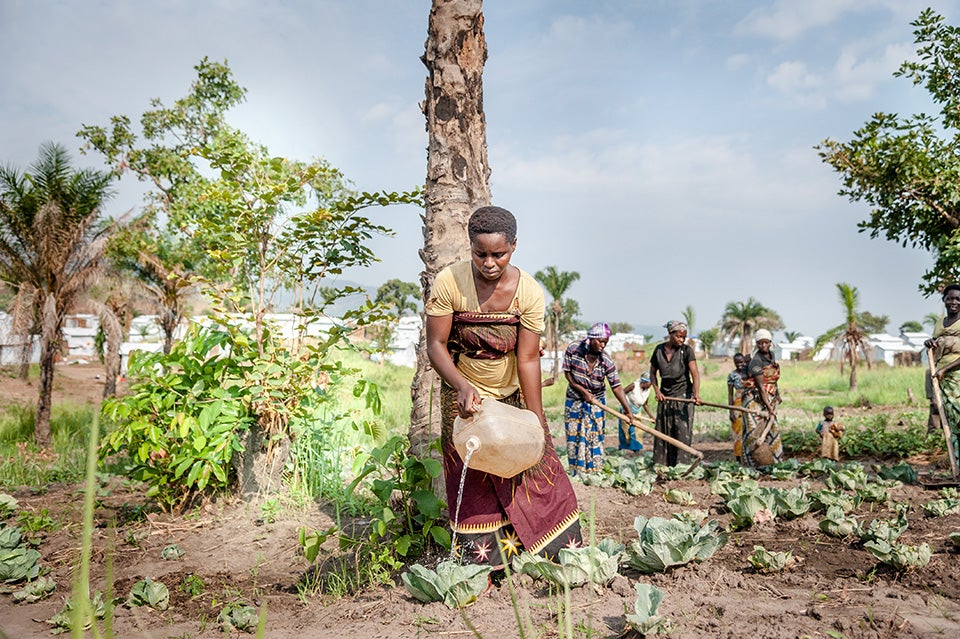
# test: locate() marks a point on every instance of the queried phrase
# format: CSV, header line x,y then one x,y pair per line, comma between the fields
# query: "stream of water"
x,y
456,516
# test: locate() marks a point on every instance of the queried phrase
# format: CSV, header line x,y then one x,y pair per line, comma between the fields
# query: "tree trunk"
x,y
113,329
457,171
49,345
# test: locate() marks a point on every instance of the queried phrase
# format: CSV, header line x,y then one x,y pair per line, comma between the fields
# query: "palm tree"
x,y
742,319
556,282
165,268
931,319
51,249
791,336
689,317
848,338
911,326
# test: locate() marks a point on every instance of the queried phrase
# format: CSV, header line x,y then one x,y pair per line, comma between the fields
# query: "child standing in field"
x,y
830,433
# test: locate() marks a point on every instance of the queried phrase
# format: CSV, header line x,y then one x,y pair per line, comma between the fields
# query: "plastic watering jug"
x,y
501,440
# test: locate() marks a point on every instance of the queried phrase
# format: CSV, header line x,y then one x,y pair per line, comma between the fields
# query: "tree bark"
x,y
49,345
457,171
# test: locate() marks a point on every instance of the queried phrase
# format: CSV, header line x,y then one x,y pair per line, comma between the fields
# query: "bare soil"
x,y
839,590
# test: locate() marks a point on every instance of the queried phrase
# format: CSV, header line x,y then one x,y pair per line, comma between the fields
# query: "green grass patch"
x,y
23,464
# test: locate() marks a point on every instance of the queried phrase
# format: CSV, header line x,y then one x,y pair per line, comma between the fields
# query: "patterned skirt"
x,y
536,510
584,425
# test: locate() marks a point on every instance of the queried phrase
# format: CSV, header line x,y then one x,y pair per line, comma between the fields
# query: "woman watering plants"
x,y
674,373
946,352
483,322
760,392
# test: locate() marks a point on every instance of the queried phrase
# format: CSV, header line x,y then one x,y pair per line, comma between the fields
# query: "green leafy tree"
x,y
849,338
931,319
397,297
260,223
742,319
911,326
907,168
621,327
791,336
51,251
708,338
557,283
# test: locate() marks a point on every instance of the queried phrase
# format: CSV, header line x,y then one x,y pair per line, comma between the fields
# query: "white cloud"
x,y
787,20
792,77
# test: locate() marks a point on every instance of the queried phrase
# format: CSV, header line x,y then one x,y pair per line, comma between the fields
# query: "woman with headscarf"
x,y
760,392
946,353
674,373
588,369
484,317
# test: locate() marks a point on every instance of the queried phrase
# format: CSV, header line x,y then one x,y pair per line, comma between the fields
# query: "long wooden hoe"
x,y
938,398
656,433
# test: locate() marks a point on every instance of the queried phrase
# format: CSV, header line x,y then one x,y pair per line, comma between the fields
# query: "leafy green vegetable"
x,y
824,499
748,508
817,467
792,503
19,564
171,552
644,619
692,517
239,617
883,530
900,556
62,620
787,469
35,590
766,561
8,505
148,592
901,472
455,585
847,478
872,492
677,496
941,507
578,566
668,542
10,538
838,524
679,471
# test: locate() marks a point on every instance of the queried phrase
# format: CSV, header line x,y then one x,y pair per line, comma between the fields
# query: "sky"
x,y
662,149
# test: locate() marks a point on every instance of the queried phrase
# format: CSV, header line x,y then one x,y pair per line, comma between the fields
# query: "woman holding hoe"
x,y
674,373
484,317
946,352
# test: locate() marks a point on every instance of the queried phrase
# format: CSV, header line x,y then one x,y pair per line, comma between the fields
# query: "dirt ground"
x,y
839,590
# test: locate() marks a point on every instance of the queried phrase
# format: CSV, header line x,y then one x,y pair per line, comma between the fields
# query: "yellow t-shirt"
x,y
454,290
948,343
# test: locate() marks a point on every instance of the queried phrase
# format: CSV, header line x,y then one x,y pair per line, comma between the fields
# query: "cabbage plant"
x,y
900,557
748,508
839,524
669,542
873,493
941,507
955,539
39,588
148,592
19,564
679,497
8,505
455,585
645,620
883,530
824,499
903,472
850,477
792,502
577,566
766,561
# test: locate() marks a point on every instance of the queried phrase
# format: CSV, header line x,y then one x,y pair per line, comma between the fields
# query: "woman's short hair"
x,y
492,219
948,288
